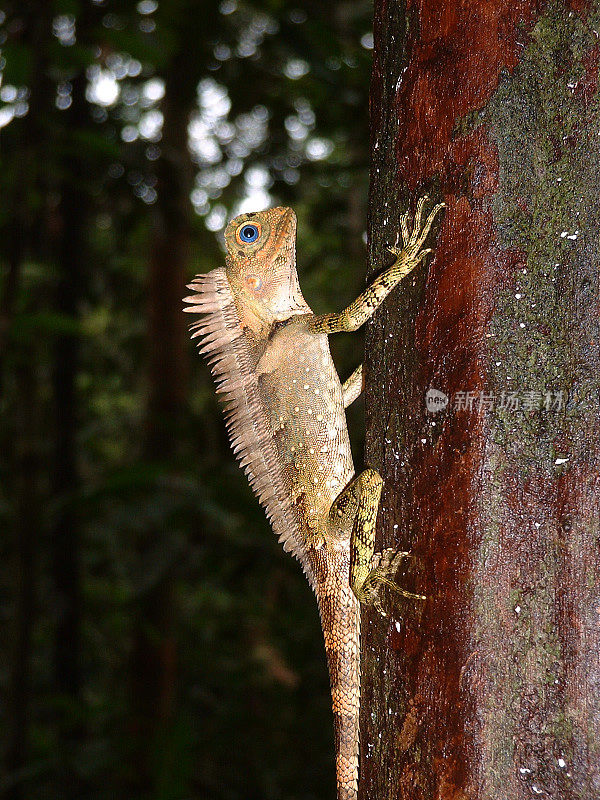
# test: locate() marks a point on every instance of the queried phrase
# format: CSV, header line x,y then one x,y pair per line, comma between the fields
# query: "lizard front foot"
x,y
382,569
410,254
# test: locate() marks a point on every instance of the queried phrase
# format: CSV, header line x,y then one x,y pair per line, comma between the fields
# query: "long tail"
x,y
340,619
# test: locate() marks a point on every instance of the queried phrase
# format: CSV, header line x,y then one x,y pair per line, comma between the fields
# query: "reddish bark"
x,y
490,690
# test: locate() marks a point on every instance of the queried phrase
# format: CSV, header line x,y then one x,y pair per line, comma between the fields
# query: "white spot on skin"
x,y
562,763
296,409
524,771
561,461
320,417
306,386
309,411
517,609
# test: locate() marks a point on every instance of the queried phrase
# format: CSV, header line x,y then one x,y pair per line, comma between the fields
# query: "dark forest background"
x,y
156,641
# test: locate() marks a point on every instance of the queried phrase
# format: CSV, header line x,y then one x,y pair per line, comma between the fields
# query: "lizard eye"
x,y
254,282
248,233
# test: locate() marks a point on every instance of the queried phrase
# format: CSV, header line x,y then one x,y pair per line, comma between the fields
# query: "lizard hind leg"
x,y
369,571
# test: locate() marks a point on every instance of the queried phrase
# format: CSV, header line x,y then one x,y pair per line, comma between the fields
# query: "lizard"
x,y
285,414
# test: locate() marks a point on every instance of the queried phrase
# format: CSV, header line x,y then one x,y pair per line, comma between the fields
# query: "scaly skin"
x,y
285,414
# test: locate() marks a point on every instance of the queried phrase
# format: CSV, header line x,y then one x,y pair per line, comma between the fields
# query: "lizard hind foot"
x,y
383,567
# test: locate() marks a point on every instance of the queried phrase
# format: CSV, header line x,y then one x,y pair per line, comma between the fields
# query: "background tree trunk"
x,y
153,662
491,688
153,656
20,440
71,223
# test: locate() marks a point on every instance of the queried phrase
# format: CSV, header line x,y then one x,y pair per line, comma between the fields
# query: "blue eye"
x,y
248,233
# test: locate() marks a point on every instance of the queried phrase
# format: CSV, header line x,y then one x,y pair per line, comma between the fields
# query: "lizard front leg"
x,y
353,387
369,571
407,258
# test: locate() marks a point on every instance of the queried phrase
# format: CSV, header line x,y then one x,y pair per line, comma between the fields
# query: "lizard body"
x,y
284,405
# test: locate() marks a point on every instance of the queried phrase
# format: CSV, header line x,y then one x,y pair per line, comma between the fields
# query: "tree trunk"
x,y
153,656
25,175
71,253
25,460
490,689
21,236
153,660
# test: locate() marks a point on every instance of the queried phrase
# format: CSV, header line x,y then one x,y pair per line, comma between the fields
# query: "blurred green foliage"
x,y
95,97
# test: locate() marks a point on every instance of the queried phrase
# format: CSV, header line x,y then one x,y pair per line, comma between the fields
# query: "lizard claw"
x,y
412,237
383,567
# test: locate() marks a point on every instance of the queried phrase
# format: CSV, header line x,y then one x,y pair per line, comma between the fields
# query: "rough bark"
x,y
491,688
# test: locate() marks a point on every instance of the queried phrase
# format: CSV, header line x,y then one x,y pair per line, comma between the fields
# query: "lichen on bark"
x,y
491,690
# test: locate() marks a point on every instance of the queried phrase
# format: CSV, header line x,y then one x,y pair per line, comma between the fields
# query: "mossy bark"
x,y
491,689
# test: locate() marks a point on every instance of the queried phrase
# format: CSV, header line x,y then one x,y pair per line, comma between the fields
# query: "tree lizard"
x,y
284,408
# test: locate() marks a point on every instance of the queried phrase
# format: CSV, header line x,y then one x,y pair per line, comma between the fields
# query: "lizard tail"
x,y
340,619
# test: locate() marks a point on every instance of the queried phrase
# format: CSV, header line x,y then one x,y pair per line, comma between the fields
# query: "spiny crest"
x,y
226,347
261,267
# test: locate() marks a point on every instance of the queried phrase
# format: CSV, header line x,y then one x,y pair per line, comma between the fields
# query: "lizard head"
x,y
261,267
